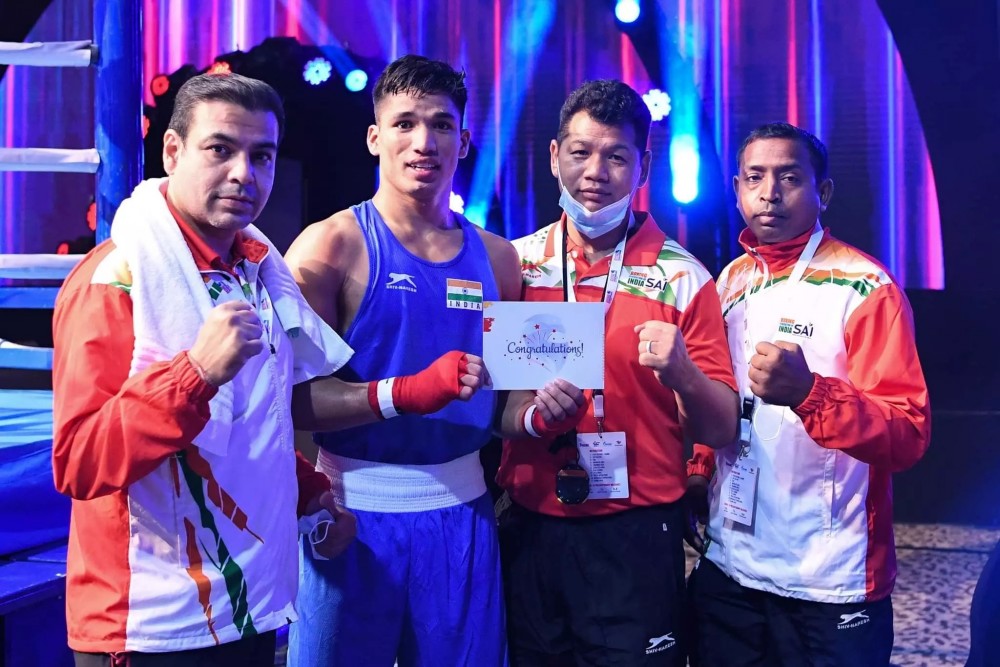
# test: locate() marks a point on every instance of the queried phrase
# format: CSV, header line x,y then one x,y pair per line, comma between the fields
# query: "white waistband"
x,y
385,487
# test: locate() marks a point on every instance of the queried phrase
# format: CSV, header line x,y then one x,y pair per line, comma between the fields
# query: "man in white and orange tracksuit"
x,y
800,559
183,538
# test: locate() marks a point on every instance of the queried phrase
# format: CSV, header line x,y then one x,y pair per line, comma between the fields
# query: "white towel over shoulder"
x,y
170,302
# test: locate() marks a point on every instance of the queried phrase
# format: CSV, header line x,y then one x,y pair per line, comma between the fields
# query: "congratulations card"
x,y
527,344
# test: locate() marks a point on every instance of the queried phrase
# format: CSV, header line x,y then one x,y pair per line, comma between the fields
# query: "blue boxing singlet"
x,y
407,320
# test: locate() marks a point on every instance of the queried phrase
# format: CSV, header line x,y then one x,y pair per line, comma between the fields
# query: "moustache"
x,y
239,193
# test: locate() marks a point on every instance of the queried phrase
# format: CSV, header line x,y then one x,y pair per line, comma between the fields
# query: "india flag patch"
x,y
465,294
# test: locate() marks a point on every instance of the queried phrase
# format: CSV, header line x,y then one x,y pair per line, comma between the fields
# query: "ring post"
x,y
118,105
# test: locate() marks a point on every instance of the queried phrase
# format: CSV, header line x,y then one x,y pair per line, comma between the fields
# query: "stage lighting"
x,y
317,71
685,165
356,80
627,11
456,203
159,85
220,67
658,103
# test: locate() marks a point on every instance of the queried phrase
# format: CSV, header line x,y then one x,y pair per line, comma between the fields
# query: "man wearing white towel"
x,y
177,346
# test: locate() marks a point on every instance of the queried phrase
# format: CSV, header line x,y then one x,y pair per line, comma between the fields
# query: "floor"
x,y
939,566
938,569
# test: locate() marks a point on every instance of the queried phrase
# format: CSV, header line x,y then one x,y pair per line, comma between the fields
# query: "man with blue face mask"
x,y
595,576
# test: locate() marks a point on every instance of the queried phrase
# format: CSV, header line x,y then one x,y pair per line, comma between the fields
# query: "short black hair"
x,y
419,76
817,151
609,102
251,94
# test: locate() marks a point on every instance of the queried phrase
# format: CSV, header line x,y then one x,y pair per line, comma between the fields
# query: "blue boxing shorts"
x,y
419,587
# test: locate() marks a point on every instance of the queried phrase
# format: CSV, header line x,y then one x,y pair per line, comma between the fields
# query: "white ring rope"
x,y
37,267
33,267
13,355
86,161
48,54
79,161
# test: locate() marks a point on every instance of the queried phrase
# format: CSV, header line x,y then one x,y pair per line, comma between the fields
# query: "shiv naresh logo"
x,y
658,644
401,281
848,621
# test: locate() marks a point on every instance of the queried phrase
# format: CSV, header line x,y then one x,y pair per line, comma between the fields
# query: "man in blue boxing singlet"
x,y
403,279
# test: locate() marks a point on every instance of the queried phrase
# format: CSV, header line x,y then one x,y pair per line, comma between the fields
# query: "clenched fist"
x,y
230,336
662,348
452,376
779,374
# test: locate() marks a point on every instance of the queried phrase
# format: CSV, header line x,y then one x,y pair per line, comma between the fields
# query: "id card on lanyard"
x,y
602,455
739,489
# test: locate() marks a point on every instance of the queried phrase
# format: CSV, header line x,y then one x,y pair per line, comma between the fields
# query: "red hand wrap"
x,y
373,399
432,388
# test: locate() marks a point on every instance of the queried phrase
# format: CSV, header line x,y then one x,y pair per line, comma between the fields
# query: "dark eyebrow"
x,y
622,146
440,115
788,166
225,138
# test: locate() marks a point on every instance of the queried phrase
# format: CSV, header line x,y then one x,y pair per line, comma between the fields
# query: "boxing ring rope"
x,y
33,267
48,54
116,54
25,357
37,267
40,298
34,517
79,161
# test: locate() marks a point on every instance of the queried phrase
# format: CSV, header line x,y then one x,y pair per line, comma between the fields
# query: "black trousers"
x,y
255,651
603,591
735,626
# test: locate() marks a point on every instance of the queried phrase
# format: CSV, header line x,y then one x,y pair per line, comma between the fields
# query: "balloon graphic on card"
x,y
528,344
546,336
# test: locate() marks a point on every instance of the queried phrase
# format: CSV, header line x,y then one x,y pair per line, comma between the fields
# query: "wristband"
x,y
380,398
529,414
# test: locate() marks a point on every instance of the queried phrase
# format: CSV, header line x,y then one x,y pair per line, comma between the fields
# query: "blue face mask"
x,y
593,224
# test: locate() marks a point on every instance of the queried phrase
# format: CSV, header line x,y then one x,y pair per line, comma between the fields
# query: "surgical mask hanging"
x,y
593,224
315,527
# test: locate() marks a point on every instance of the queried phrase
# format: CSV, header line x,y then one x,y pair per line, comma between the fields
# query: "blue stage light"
x,y
317,71
685,165
356,80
